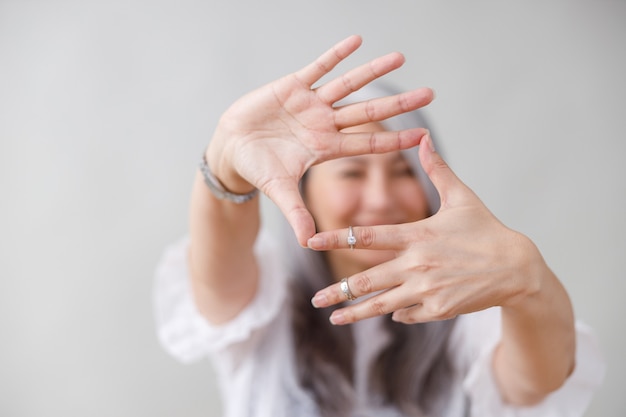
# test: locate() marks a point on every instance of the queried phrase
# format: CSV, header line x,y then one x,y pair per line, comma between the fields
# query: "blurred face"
x,y
363,190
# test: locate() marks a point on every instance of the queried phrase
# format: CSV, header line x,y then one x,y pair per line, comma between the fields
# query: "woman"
x,y
436,290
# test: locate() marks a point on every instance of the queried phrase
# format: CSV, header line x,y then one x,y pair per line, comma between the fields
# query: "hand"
x,y
460,260
271,136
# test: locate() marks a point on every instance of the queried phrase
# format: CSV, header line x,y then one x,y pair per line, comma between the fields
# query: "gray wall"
x,y
106,106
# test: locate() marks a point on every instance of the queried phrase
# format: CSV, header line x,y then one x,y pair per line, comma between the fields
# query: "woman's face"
x,y
363,191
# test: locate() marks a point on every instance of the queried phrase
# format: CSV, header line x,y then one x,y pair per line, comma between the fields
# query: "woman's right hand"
x,y
269,138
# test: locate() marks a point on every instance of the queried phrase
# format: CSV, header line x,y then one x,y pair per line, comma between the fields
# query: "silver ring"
x,y
345,289
351,238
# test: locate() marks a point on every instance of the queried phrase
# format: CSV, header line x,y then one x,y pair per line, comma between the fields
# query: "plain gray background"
x,y
105,108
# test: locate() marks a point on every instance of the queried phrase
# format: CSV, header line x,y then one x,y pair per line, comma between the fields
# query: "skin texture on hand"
x,y
458,261
271,136
267,140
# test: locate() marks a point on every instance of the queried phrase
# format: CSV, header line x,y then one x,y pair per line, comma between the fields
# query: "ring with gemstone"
x,y
351,238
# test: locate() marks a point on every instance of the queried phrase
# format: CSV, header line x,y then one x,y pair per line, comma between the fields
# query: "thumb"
x,y
288,199
448,185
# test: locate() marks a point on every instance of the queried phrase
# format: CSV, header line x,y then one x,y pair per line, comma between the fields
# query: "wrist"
x,y
219,156
225,184
532,275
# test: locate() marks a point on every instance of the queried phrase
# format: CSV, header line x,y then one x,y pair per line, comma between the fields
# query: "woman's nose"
x,y
377,193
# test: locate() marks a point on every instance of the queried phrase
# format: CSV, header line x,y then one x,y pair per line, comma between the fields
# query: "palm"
x,y
293,131
271,136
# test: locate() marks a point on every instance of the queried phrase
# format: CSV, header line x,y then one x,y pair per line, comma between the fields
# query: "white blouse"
x,y
254,359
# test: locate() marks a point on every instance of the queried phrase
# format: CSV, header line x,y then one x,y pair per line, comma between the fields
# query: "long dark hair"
x,y
412,372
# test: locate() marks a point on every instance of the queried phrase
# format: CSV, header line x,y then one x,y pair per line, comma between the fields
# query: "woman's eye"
x,y
352,174
403,172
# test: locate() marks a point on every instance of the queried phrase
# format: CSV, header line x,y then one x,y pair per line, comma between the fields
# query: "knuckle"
x,y
347,83
366,236
379,307
406,316
422,268
437,165
321,66
423,286
372,143
403,103
334,240
410,319
426,234
363,284
370,111
439,309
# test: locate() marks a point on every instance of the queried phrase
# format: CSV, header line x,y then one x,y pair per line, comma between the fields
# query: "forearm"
x,y
537,350
221,260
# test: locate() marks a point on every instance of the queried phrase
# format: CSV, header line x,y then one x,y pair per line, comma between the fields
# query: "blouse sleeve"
x,y
474,341
184,332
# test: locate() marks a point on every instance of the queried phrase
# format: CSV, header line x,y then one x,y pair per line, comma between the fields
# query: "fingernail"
x,y
315,242
337,318
319,300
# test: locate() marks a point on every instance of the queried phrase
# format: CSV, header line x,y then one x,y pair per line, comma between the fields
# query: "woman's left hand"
x,y
460,260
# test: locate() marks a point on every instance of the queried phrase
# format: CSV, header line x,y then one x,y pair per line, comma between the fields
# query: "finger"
x,y
448,185
287,197
328,60
377,278
379,109
361,143
378,305
409,315
384,237
421,313
353,80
